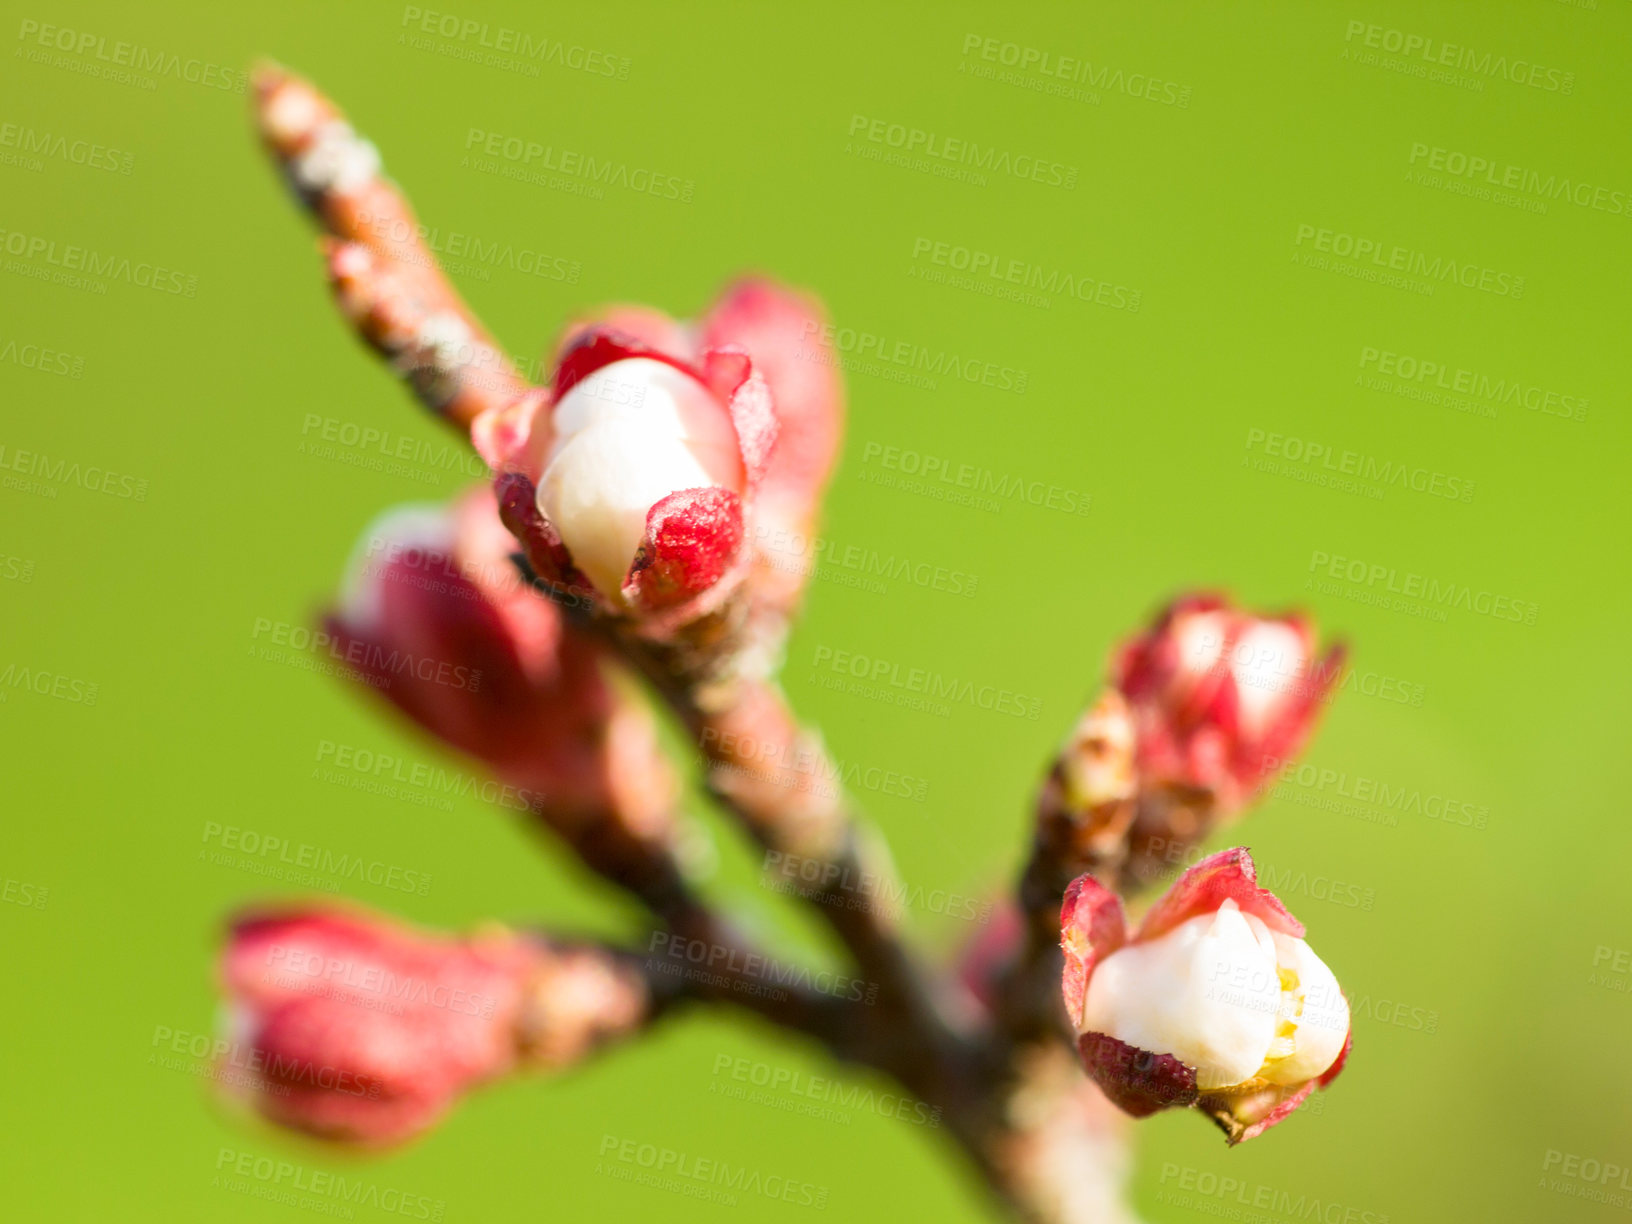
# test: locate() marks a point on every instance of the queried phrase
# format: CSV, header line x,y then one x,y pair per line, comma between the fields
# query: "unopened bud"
x,y
1215,1002
436,618
362,1031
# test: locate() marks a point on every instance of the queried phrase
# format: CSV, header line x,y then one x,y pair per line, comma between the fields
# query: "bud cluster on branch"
x,y
620,545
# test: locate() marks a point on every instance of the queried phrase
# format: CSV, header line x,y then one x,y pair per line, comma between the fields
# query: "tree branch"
x,y
387,282
1036,1130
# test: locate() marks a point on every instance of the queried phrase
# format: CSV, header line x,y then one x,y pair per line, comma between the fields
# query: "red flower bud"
x,y
785,334
1215,1001
1201,711
363,1031
1220,698
436,618
634,483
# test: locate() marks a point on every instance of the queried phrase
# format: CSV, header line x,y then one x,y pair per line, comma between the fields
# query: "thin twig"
x,y
389,284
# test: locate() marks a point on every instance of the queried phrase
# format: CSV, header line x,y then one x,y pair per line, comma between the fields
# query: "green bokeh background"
x,y
1488,936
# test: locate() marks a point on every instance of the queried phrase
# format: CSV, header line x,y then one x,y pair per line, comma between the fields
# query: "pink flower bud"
x,y
366,1032
1220,698
362,1031
435,617
635,483
1201,711
786,335
631,485
1215,1002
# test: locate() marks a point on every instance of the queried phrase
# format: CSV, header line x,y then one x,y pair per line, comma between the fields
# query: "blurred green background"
x,y
1221,162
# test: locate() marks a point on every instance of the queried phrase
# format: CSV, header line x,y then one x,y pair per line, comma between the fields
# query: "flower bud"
x,y
360,1030
1221,698
785,334
1200,713
435,618
637,481
1215,1002
630,486
628,436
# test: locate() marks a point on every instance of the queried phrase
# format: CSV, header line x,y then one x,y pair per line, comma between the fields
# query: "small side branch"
x,y
387,282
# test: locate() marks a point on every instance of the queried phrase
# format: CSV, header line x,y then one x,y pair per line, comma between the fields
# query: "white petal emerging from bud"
x,y
1207,992
1200,637
1227,996
626,437
1268,664
1314,1014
